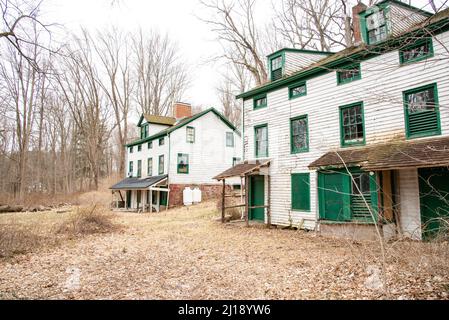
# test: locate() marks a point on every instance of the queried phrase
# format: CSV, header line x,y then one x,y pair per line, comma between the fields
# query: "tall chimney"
x,y
182,110
360,7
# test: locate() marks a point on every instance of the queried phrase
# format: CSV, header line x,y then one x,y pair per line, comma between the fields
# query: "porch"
x,y
401,187
141,195
254,193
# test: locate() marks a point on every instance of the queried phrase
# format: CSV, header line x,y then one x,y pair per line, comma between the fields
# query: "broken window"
x,y
361,184
376,26
299,135
352,126
422,114
348,74
183,163
419,51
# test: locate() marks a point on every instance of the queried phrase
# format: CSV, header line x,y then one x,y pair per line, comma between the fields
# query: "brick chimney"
x,y
182,110
360,7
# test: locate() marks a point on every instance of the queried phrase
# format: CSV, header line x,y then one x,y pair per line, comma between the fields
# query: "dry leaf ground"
x,y
187,254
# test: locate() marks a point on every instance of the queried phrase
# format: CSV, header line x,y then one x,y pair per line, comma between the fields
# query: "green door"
x,y
257,198
434,198
128,199
334,196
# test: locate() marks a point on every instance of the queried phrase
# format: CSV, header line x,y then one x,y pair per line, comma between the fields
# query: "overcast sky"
x,y
177,17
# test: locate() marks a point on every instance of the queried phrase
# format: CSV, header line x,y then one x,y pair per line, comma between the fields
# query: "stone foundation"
x,y
208,192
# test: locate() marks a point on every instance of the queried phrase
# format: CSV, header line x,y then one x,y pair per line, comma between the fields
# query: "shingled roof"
x,y
396,155
242,169
138,183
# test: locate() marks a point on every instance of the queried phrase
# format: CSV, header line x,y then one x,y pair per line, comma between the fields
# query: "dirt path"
x,y
186,254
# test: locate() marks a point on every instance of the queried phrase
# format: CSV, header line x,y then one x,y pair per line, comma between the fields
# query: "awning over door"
x,y
242,169
398,155
138,183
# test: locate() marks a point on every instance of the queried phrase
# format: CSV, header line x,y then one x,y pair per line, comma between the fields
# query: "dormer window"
x,y
276,66
144,131
376,27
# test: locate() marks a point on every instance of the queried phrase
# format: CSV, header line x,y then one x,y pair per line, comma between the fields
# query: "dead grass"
x,y
88,220
22,233
186,254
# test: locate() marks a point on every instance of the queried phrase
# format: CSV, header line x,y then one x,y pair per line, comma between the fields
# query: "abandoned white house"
x,y
378,110
177,152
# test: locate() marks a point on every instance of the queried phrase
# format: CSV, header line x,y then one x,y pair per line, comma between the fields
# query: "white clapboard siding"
x,y
295,61
410,221
403,18
208,156
146,153
380,89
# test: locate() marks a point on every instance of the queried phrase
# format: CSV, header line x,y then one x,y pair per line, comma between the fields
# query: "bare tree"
x,y
84,96
113,50
162,76
237,31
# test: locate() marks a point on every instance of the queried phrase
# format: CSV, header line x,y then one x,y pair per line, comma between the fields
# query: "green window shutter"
x,y
300,187
334,196
422,116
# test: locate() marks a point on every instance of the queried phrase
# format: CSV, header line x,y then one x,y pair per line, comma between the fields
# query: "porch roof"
x,y
138,183
242,169
388,156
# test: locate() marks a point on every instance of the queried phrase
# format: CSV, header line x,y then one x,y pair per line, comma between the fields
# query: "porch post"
x,y
223,202
151,200
269,202
246,200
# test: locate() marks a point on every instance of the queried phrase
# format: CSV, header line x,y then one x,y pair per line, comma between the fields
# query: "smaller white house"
x,y
173,153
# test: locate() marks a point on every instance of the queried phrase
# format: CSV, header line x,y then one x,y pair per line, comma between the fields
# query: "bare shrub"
x,y
18,239
88,220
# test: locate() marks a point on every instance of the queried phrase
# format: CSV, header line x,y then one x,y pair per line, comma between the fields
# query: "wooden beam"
x,y
236,206
223,202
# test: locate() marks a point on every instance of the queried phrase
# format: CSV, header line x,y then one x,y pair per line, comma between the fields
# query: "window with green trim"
x,y
229,139
421,50
190,134
261,141
422,116
150,167
260,101
161,164
144,131
130,169
183,163
150,145
131,149
161,141
139,168
299,134
139,148
297,90
276,66
352,127
376,27
300,187
348,74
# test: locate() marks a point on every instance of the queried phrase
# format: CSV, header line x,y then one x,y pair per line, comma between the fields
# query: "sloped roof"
x,y
138,183
168,121
396,155
434,23
242,169
182,123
